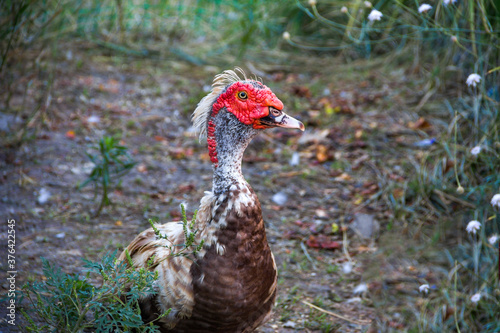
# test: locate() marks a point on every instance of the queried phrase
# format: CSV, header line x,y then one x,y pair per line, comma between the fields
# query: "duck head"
x,y
234,112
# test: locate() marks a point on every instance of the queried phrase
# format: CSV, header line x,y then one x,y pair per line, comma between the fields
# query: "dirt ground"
x,y
357,150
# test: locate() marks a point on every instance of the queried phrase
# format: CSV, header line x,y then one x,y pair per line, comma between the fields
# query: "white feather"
x,y
204,108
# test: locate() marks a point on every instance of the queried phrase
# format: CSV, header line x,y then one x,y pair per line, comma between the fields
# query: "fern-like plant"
x,y
70,303
111,162
189,247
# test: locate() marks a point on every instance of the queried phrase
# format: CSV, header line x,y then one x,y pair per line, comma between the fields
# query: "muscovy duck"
x,y
230,284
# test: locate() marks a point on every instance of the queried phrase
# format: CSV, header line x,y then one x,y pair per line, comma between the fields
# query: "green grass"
x,y
70,303
35,34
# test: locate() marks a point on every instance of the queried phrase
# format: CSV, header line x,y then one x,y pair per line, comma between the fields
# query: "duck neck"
x,y
232,138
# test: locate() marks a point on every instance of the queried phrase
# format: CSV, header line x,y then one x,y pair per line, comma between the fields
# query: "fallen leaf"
x,y
185,188
421,123
364,249
397,193
301,91
358,134
322,153
322,242
118,223
448,311
447,165
70,134
74,252
160,138
320,213
178,153
343,177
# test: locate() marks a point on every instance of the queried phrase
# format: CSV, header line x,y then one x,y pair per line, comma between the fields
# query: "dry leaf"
x,y
322,242
421,123
320,213
301,91
343,177
142,168
397,193
160,138
321,153
70,134
358,134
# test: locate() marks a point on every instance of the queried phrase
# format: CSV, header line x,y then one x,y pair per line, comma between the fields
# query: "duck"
x,y
229,284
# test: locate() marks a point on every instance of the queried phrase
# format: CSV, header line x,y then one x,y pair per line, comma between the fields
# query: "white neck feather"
x,y
232,139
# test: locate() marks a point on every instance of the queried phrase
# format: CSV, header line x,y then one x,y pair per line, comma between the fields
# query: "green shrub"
x,y
69,303
110,163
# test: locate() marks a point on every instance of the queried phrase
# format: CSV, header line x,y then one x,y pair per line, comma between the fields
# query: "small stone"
x,y
280,198
321,213
74,252
60,235
354,300
295,160
347,267
365,226
93,119
43,196
360,289
39,238
289,324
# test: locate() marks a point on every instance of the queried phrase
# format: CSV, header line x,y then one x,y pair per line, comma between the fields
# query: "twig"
x,y
344,235
453,198
307,254
455,307
357,322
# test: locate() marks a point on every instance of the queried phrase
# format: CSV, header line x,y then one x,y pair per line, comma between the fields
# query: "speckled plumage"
x,y
230,286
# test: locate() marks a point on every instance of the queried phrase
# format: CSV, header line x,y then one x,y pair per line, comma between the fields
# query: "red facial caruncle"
x,y
248,101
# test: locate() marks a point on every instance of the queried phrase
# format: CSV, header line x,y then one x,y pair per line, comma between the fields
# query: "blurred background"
x,y
382,212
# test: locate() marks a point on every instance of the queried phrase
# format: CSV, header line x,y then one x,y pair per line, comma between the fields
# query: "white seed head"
x,y
473,79
312,3
286,35
476,150
475,298
473,226
424,8
424,288
495,201
368,4
460,190
493,239
344,10
454,39
375,15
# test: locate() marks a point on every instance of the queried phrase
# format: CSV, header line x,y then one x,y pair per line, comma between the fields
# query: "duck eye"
x,y
242,95
275,112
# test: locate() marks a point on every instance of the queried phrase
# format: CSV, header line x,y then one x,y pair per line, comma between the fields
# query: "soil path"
x,y
312,186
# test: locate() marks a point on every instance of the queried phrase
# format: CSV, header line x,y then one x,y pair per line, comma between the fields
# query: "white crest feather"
x,y
204,108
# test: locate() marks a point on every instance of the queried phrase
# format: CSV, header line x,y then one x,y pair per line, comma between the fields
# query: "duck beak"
x,y
278,118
